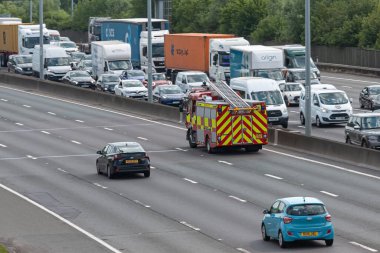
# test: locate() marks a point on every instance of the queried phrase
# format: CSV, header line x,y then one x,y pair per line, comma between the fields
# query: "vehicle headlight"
x,y
19,69
372,138
164,97
92,81
284,111
325,110
75,82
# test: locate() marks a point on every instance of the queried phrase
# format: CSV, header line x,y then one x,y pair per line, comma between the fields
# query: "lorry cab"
x,y
263,89
29,36
158,56
328,105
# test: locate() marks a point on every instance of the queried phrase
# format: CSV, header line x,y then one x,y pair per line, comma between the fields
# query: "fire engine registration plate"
x,y
131,161
259,136
272,119
309,233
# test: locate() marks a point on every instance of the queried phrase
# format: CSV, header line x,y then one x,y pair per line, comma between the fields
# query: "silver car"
x,y
364,129
20,64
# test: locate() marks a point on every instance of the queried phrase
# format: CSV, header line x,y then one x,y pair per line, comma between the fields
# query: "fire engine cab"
x,y
218,118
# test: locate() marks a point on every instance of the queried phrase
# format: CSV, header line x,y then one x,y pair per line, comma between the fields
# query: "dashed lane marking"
x,y
189,225
76,142
45,132
330,194
142,138
80,121
225,162
27,106
101,186
109,129
238,199
140,203
51,113
3,146
19,124
364,247
189,180
273,176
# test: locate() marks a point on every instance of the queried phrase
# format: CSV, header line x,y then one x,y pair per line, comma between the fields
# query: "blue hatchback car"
x,y
297,218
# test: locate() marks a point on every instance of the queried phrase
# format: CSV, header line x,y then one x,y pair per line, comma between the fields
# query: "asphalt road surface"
x,y
193,201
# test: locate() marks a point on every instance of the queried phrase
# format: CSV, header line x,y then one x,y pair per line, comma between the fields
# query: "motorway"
x,y
193,201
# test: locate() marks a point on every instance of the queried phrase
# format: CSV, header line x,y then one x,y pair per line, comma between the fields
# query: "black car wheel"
x,y
281,241
109,172
348,140
318,122
264,233
329,242
365,144
98,169
147,174
302,119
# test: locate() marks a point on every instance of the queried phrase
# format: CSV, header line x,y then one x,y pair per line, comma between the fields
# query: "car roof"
x,y
130,81
366,114
192,72
125,143
373,86
300,200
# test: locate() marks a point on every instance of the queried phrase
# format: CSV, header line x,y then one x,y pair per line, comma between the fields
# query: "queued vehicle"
x,y
79,78
123,157
64,38
157,79
364,129
20,64
297,218
131,89
76,57
69,46
299,76
107,82
168,95
291,93
85,65
368,95
87,57
133,74
376,103
188,80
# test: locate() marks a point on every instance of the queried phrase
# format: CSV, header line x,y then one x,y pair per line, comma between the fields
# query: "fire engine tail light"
x,y
287,220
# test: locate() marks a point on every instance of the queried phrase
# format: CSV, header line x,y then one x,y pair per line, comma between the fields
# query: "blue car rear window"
x,y
306,210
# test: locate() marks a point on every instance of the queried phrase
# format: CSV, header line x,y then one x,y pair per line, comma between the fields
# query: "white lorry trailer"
x,y
56,62
110,57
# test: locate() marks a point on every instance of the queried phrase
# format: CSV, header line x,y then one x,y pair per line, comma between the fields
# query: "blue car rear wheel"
x,y
329,242
281,242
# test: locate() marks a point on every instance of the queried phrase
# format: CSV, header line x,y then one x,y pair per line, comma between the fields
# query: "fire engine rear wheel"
x,y
210,150
191,138
251,149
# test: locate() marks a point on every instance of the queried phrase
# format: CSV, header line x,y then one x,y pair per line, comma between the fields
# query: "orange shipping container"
x,y
189,51
9,38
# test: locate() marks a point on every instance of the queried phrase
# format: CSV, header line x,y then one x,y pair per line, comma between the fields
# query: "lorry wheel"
x,y
190,137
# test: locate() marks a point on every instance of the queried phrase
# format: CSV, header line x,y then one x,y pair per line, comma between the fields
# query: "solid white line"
x,y
180,149
19,124
142,138
189,225
329,193
347,79
140,203
109,129
88,234
31,157
76,142
45,132
243,250
325,164
101,186
62,170
80,121
4,100
238,199
225,162
363,246
3,146
272,176
189,180
52,113
27,106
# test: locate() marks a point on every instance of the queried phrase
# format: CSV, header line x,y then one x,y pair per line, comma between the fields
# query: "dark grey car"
x,y
79,78
20,64
368,95
364,129
107,82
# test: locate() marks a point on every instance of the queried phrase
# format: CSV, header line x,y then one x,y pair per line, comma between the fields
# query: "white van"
x,y
328,105
188,80
56,62
263,89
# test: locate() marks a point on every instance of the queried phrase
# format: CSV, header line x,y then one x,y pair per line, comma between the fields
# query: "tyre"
x,y
371,106
364,144
285,125
109,172
147,174
361,105
264,233
210,150
98,170
302,119
329,242
348,140
286,101
251,149
318,122
190,137
281,242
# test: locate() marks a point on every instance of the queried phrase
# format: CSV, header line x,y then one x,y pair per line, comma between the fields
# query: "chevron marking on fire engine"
x,y
237,129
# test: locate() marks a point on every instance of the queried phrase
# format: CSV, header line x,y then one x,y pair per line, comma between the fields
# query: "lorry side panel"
x,y
9,38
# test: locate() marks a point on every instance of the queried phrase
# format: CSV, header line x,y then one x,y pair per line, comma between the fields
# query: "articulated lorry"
x,y
257,60
135,32
209,53
110,57
19,39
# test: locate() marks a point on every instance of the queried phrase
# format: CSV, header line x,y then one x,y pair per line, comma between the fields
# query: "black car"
x,y
364,129
367,96
80,78
123,157
20,64
107,82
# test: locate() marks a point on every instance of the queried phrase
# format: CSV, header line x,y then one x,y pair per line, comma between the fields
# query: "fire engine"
x,y
218,118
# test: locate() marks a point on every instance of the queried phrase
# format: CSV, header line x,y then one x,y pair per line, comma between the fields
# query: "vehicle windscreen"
x,y
119,65
271,97
299,62
224,59
54,37
111,78
60,61
301,75
374,90
158,77
158,50
23,59
334,98
293,87
77,56
272,74
171,90
371,122
133,84
197,78
80,74
88,64
67,44
30,42
306,210
135,73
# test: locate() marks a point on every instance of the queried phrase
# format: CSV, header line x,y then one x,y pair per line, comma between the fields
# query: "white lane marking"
x,y
3,146
152,167
243,250
4,100
88,234
62,170
27,106
19,124
295,111
325,164
31,157
363,246
345,86
45,132
347,79
76,142
142,138
180,149
301,126
140,203
238,199
191,181
51,113
189,225
329,193
109,129
225,162
272,176
80,121
101,186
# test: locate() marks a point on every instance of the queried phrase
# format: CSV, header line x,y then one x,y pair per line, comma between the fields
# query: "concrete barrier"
x,y
330,67
323,147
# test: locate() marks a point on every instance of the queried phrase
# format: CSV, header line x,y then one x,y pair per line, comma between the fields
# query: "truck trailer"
x,y
135,32
204,52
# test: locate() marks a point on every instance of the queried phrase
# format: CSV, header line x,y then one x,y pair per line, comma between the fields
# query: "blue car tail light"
x,y
287,220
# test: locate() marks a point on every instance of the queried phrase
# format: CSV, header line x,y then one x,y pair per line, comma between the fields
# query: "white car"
x,y
187,80
291,93
69,46
131,89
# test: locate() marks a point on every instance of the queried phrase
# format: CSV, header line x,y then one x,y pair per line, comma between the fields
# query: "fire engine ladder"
x,y
230,96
